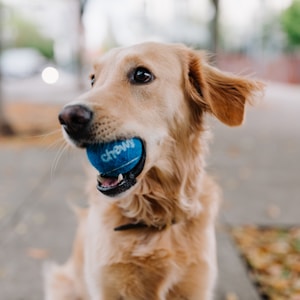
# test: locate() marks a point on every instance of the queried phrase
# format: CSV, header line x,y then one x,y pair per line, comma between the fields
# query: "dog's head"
x,y
158,94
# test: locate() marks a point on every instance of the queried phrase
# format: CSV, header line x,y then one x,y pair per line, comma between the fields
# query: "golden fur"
x,y
175,257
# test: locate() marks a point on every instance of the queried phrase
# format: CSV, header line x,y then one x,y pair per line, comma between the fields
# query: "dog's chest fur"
x,y
130,261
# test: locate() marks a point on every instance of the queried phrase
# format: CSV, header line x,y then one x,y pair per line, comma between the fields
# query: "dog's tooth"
x,y
120,177
100,179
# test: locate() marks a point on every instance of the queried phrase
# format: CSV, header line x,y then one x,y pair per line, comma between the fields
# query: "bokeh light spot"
x,y
50,75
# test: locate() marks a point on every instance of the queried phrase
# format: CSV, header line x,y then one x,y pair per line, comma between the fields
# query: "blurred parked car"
x,y
21,62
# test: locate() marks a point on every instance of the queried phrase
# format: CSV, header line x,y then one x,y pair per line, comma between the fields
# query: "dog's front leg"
x,y
61,283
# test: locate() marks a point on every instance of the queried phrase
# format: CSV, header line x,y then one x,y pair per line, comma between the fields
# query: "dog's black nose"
x,y
75,118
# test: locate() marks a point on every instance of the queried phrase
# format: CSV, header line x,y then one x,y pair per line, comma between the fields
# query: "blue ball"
x,y
116,157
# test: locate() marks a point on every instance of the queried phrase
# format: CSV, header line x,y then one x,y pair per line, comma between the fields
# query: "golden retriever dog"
x,y
149,235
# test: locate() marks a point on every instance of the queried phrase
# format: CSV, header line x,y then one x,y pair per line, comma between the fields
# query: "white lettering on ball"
x,y
109,155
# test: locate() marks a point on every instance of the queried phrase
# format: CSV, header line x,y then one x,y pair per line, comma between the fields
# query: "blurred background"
x,y
46,52
47,48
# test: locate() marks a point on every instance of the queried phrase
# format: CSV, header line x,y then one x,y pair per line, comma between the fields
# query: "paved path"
x,y
257,165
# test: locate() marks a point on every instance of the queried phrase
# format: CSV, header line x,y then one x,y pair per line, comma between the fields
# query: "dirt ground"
x,y
33,124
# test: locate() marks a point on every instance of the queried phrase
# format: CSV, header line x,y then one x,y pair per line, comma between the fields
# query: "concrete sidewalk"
x,y
257,165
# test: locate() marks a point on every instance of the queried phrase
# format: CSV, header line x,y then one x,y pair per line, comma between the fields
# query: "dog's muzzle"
x,y
76,121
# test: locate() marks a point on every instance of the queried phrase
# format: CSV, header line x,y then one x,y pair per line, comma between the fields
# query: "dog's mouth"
x,y
113,186
116,180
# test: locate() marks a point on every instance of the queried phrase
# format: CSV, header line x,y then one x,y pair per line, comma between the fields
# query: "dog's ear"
x,y
220,93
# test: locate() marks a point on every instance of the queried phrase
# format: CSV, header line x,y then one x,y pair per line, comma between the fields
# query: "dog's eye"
x,y
141,75
93,79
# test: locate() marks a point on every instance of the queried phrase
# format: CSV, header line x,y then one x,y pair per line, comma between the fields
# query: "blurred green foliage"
x,y
290,21
25,33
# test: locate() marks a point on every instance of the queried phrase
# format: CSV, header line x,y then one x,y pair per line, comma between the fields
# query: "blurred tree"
x,y
290,20
80,41
26,34
5,126
215,26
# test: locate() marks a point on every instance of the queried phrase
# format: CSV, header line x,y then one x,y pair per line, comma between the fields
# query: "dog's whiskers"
x,y
63,147
57,143
53,132
45,138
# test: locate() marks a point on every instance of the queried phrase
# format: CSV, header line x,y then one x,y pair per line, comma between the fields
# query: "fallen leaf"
x,y
231,296
273,257
37,253
273,211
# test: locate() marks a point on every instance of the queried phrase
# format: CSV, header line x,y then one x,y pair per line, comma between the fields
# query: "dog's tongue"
x,y
108,182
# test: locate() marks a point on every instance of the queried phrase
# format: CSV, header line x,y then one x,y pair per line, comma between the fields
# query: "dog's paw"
x,y
59,284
